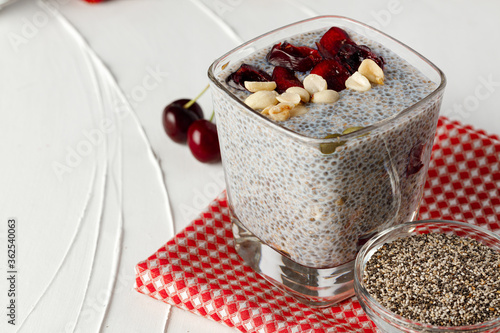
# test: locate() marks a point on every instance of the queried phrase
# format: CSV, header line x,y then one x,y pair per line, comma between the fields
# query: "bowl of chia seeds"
x,y
431,276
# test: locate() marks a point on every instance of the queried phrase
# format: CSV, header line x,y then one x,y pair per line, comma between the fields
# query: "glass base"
x,y
317,287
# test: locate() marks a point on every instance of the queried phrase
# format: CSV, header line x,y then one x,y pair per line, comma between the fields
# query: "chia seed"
x,y
436,279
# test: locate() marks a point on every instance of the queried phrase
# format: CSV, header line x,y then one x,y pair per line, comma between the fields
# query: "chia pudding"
x,y
436,279
314,205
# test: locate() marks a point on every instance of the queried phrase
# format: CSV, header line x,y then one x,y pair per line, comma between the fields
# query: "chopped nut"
x,y
261,99
358,82
314,83
304,94
254,86
325,96
266,110
289,98
372,71
298,110
280,112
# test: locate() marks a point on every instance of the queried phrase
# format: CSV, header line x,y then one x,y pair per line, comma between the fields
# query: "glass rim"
x,y
394,318
307,139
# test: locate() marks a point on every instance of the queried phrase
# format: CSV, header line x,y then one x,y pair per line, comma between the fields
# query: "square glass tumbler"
x,y
302,207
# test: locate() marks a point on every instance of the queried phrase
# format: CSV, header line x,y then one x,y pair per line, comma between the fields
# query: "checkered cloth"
x,y
199,270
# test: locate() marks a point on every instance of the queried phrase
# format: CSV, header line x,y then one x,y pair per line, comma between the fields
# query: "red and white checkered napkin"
x,y
200,271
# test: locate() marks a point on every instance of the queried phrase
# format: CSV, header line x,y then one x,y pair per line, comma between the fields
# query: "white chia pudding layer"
x,y
318,208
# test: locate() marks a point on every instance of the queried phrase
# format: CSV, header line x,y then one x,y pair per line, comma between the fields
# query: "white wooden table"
x,y
87,171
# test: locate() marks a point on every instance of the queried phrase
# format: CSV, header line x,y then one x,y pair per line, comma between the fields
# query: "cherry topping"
x,y
285,78
351,56
203,141
415,159
333,72
246,73
297,58
332,40
325,54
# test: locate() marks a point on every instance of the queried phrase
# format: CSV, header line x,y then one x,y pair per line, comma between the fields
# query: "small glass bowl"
x,y
388,321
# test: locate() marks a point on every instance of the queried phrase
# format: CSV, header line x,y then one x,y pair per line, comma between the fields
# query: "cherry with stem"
x,y
179,115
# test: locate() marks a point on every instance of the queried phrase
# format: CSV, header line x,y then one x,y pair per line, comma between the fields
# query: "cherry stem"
x,y
191,102
212,116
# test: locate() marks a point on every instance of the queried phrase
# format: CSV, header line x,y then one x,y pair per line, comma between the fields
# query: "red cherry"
x,y
333,72
177,118
246,73
203,141
195,107
351,56
176,121
332,40
415,159
285,78
296,58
